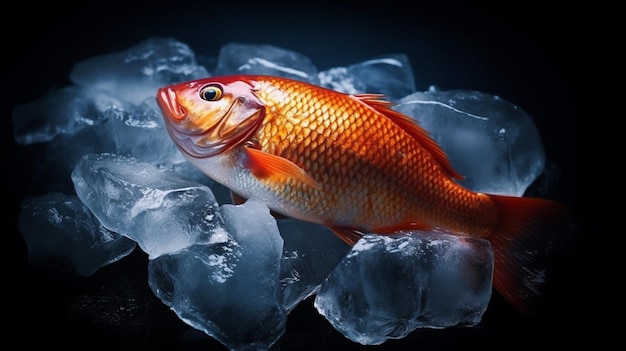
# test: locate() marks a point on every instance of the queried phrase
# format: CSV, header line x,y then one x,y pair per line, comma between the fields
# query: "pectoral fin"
x,y
265,165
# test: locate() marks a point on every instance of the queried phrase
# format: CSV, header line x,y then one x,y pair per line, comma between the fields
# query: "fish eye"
x,y
212,92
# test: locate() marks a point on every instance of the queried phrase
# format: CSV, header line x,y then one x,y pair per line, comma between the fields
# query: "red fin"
x,y
526,247
348,235
264,165
377,102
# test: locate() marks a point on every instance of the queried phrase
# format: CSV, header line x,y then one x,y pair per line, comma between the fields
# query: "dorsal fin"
x,y
378,103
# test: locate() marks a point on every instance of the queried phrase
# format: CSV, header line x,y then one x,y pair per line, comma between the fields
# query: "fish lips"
x,y
171,109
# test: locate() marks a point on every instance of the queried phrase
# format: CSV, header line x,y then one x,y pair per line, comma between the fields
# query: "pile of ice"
x,y
111,179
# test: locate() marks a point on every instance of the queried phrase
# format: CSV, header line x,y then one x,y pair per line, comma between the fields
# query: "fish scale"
x,y
350,159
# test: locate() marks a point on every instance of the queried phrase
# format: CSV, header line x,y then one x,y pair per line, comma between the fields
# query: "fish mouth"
x,y
166,99
237,125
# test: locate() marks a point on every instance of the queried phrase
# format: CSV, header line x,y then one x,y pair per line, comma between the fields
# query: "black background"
x,y
534,56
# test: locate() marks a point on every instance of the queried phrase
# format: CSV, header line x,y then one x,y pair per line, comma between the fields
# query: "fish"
x,y
353,164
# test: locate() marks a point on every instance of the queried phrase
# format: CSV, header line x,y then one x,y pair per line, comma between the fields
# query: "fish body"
x,y
351,163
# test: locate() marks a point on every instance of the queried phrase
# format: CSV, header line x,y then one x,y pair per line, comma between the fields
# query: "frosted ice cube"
x,y
62,234
157,208
387,286
230,290
493,143
236,58
136,73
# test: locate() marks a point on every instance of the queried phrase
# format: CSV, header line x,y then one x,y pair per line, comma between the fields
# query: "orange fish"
x,y
353,164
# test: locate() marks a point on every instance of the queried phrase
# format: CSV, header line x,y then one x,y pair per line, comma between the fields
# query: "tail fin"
x,y
526,245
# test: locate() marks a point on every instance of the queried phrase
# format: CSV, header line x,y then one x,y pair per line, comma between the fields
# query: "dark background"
x,y
537,57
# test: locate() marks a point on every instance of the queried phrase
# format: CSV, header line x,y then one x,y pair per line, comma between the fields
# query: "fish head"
x,y
209,116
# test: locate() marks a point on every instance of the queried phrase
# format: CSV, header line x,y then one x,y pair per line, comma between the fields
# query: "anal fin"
x,y
349,235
